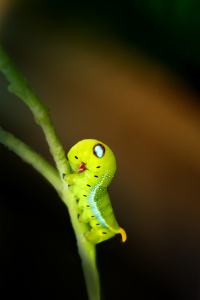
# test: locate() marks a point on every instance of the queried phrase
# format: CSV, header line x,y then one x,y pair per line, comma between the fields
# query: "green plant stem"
x,y
20,88
31,157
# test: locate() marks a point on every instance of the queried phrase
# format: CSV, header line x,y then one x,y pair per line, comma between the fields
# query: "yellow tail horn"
x,y
123,234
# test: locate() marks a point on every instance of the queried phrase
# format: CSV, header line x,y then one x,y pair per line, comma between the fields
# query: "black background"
x,y
126,73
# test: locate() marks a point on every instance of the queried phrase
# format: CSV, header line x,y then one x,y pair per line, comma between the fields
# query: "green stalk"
x,y
31,157
20,88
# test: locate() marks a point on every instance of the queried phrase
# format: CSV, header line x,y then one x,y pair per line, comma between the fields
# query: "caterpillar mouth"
x,y
81,167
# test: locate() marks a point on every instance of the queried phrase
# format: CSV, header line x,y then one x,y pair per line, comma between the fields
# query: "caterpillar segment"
x,y
93,167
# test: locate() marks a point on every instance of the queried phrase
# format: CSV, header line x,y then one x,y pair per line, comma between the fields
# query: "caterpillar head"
x,y
92,155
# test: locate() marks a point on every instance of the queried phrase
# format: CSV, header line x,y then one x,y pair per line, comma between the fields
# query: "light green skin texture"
x,y
93,200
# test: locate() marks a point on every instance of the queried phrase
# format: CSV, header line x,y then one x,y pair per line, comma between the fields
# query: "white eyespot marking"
x,y
99,150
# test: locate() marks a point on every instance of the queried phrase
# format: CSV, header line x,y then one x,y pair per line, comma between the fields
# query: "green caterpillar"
x,y
93,167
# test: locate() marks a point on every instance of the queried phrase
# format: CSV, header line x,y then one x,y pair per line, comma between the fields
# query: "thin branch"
x,y
31,157
19,86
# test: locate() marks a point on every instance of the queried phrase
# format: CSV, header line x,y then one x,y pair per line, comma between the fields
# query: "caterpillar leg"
x,y
83,203
88,216
100,235
79,179
95,224
71,177
68,177
85,217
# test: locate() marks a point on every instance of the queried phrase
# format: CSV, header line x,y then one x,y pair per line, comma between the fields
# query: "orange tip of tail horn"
x,y
123,234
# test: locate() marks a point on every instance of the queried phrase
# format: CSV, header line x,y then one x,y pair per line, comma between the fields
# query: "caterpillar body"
x,y
93,167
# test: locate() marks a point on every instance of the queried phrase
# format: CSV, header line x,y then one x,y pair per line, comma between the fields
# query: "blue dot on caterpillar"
x,y
93,166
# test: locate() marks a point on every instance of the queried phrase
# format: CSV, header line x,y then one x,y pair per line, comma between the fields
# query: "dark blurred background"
x,y
127,74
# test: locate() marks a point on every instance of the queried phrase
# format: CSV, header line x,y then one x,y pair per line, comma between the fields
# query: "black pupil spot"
x,y
98,167
88,205
84,195
104,232
92,216
97,224
95,176
76,157
77,200
88,185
